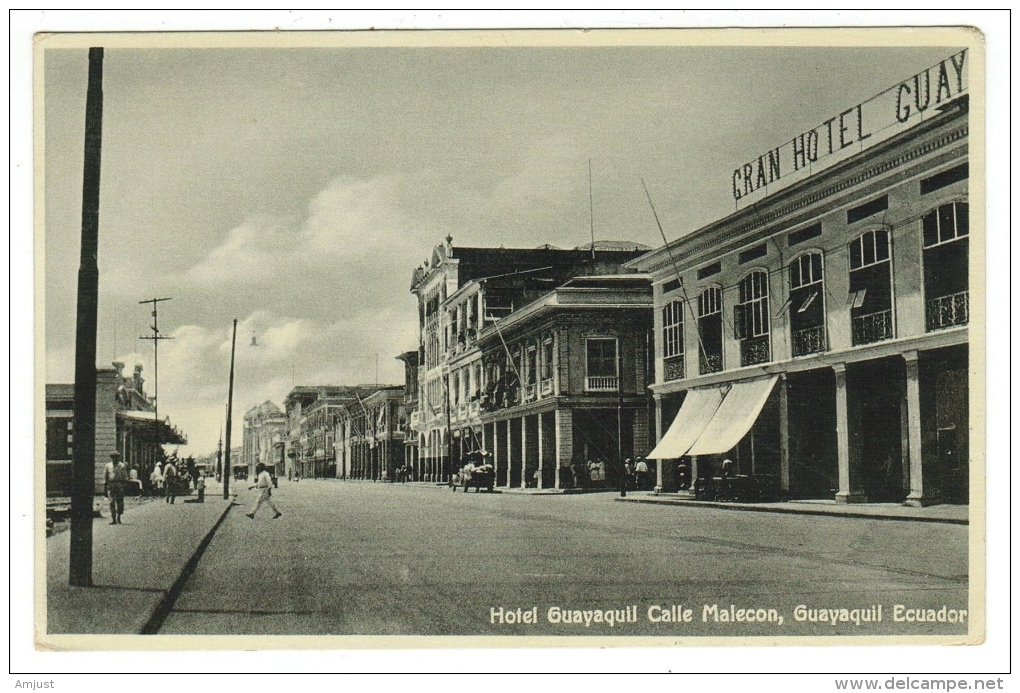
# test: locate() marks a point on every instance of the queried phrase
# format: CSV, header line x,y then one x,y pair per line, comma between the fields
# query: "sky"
x,y
297,189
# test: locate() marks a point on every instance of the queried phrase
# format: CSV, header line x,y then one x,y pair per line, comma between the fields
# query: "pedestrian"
x,y
200,486
628,474
170,481
156,481
641,471
265,488
116,480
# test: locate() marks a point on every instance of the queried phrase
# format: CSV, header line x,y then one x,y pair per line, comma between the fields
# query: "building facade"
x,y
411,464
125,423
461,293
263,438
818,337
369,436
564,384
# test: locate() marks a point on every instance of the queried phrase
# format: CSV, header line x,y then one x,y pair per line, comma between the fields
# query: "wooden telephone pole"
x,y
230,406
84,442
156,338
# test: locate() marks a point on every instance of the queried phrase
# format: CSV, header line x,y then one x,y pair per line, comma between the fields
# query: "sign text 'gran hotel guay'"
x,y
849,132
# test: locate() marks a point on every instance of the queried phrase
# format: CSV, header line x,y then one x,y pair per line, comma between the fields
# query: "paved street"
x,y
362,558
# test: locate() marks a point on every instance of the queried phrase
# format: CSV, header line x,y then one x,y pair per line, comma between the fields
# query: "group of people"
x,y
165,481
593,475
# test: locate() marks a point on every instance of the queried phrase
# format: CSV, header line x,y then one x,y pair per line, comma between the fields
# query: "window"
x,y
547,359
671,285
710,330
807,305
867,209
945,178
751,318
709,270
946,232
753,253
673,340
497,305
601,362
801,235
870,297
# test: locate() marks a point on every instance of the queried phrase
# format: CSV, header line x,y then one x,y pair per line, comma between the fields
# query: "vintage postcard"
x,y
510,339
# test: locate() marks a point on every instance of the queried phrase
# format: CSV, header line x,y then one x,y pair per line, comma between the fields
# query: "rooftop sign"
x,y
856,128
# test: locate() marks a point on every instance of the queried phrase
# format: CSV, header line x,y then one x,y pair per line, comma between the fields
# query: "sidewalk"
x,y
948,514
136,566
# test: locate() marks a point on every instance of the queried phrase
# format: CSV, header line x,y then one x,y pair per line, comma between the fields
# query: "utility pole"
x,y
219,456
619,418
156,338
84,442
230,406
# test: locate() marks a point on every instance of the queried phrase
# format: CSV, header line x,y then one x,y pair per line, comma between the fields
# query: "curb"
x,y
169,598
791,511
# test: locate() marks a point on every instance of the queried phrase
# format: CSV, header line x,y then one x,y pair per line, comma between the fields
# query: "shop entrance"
x,y
876,392
814,457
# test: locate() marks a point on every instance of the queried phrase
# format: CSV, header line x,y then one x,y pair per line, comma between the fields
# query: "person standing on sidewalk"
x,y
116,481
641,472
170,481
264,484
200,487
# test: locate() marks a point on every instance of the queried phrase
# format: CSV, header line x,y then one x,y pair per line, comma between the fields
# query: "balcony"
x,y
673,368
474,408
530,392
948,311
710,363
415,420
873,327
546,386
601,383
810,340
462,412
754,350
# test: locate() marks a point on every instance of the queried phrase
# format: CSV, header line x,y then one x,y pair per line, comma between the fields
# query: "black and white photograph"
x,y
510,339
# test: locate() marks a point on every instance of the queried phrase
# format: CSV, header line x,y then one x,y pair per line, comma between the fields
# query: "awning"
x,y
697,410
735,416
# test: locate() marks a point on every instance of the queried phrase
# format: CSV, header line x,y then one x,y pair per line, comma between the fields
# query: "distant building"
x,y
461,292
311,412
818,336
411,464
263,438
369,436
125,422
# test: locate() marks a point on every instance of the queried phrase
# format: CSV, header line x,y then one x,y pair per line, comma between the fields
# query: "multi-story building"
x,y
461,292
125,422
818,336
263,438
369,435
311,412
565,382
411,360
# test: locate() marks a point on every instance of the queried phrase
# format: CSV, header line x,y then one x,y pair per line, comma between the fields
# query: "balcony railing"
x,y
546,386
474,408
415,420
530,390
710,363
948,311
873,327
673,367
462,412
810,340
754,350
601,383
